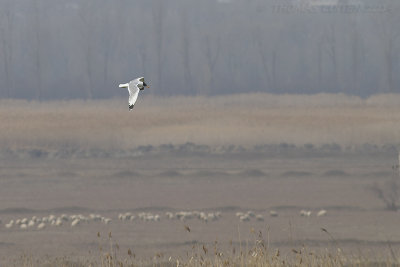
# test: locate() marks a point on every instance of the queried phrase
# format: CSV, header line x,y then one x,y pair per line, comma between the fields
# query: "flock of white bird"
x,y
244,217
307,213
181,215
74,220
187,215
53,220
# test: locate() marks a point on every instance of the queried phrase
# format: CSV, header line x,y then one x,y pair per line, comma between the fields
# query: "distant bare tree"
x,y
87,13
186,54
159,7
6,34
326,53
38,63
268,55
389,32
331,47
212,52
319,65
355,51
109,42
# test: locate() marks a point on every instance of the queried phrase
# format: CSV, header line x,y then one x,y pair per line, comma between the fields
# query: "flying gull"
x,y
134,87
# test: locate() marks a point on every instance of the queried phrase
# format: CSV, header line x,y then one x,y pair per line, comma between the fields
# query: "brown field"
x,y
239,119
225,154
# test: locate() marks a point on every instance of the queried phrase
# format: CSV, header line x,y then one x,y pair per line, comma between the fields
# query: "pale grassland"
x,y
246,119
255,254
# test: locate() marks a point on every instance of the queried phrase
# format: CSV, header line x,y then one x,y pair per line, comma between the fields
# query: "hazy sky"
x,y
65,49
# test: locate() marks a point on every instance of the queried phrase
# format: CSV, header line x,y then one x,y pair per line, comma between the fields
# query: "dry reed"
x,y
256,254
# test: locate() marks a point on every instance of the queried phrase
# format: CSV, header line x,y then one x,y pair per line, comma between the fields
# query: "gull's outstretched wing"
x,y
136,82
133,93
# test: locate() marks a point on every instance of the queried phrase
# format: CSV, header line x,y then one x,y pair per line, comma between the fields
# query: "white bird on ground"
x,y
134,87
321,213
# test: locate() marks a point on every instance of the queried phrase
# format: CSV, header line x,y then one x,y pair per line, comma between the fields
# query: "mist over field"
x,y
269,136
67,49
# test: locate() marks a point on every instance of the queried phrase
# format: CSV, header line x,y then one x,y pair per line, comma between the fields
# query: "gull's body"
x,y
134,87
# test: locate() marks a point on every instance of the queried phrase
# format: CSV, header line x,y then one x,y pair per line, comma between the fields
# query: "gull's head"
x,y
144,83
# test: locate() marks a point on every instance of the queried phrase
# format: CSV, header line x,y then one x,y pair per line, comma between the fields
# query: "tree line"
x,y
62,49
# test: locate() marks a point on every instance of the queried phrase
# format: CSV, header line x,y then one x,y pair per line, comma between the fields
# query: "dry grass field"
x,y
231,180
247,120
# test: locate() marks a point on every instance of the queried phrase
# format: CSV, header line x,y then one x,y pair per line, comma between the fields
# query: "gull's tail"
x,y
124,85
